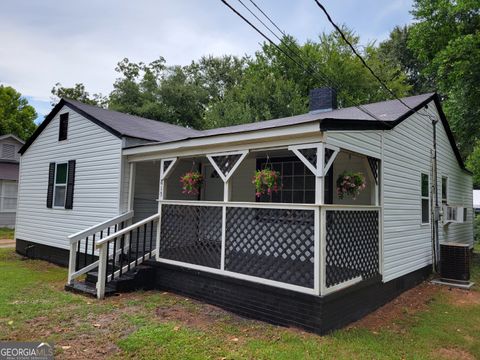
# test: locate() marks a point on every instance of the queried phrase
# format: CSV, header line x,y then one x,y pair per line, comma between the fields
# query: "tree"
x,y
396,52
174,94
446,38
274,86
77,92
16,115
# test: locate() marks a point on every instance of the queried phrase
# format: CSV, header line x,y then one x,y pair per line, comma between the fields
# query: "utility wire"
x,y
330,20
285,53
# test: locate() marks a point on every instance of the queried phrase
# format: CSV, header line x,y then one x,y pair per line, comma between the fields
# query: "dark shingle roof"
x,y
387,115
134,126
387,111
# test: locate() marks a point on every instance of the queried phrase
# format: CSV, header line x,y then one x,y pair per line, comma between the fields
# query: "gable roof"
x,y
118,124
390,112
16,138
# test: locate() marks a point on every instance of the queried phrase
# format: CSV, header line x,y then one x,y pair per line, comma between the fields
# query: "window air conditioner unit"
x,y
455,261
453,214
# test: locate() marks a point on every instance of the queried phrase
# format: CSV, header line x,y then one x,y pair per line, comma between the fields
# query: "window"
x,y
444,189
425,199
298,182
8,196
60,188
63,128
8,151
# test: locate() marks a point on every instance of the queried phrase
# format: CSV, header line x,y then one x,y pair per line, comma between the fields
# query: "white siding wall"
x,y
407,243
363,142
147,177
97,181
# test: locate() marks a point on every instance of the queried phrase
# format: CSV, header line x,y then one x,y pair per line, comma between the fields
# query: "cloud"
x,y
49,41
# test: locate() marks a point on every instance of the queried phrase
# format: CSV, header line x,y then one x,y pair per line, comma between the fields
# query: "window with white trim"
x,y
425,202
444,190
60,185
8,196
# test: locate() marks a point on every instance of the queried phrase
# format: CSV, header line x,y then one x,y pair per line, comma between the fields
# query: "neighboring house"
x,y
100,191
9,158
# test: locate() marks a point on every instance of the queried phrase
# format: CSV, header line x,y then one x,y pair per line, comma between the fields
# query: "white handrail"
x,y
99,227
126,230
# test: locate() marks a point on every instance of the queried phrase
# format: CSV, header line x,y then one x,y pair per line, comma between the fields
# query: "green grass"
x,y
158,325
6,233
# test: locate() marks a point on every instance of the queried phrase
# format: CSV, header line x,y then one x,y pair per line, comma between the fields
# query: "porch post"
x,y
319,178
131,186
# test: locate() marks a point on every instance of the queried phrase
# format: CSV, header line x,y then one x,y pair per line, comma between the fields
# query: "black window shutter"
x,y
51,179
70,184
63,128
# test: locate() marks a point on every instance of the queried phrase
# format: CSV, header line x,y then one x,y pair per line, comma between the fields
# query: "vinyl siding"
x,y
147,177
407,154
97,181
363,142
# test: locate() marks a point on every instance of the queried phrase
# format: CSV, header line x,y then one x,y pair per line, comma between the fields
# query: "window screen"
x,y
444,189
425,199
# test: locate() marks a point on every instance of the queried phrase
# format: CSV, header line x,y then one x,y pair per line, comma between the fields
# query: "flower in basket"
x,y
350,184
266,182
191,182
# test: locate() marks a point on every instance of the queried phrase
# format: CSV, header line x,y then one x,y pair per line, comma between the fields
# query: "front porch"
x,y
304,237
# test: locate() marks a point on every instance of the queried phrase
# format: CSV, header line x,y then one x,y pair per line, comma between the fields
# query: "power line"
x,y
285,53
329,18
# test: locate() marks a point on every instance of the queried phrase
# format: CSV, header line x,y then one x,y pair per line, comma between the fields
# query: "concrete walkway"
x,y
7,243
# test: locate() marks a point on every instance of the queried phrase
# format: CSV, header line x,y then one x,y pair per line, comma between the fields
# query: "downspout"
x,y
436,212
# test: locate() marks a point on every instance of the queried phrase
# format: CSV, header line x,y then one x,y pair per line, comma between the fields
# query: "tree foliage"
x,y
77,92
446,39
274,86
16,115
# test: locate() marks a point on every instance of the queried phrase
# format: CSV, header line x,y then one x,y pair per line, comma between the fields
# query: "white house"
x,y
9,158
100,190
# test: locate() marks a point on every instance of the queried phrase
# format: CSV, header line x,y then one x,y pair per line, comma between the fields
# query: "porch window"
x,y
425,199
444,189
298,182
60,188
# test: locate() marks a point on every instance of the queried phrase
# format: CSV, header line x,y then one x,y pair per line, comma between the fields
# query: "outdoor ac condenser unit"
x,y
455,261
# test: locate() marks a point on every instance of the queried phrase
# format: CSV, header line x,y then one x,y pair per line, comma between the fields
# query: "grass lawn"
x,y
428,322
6,233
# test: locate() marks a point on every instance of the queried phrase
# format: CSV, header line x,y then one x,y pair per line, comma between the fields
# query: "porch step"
x,y
81,287
141,277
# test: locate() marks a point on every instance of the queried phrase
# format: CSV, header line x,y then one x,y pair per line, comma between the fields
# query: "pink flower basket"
x,y
350,184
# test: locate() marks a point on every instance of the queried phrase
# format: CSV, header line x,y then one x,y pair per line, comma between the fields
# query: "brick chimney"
x,y
323,99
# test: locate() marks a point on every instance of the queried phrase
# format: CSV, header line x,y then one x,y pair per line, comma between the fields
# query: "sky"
x,y
43,42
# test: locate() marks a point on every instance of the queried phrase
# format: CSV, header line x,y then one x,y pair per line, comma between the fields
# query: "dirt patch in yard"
x,y
401,308
453,354
459,297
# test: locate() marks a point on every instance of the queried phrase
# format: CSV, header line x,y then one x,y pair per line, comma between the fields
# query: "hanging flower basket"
x,y
266,181
191,182
350,184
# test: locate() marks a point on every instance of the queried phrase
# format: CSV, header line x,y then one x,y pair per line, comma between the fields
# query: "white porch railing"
x,y
301,247
125,249
83,255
